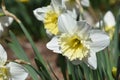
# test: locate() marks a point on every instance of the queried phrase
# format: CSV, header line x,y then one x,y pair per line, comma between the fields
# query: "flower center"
x,y
73,47
51,22
4,73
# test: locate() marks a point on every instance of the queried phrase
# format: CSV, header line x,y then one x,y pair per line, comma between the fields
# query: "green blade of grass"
x,y
19,52
37,54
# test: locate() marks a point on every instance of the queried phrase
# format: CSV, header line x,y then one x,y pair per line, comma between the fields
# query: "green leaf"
x,y
19,52
16,47
37,54
70,71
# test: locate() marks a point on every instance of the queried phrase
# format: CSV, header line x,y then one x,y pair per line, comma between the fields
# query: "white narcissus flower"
x,y
5,21
78,41
108,23
49,15
11,70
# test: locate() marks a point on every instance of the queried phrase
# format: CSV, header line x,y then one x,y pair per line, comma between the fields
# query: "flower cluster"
x,y
73,37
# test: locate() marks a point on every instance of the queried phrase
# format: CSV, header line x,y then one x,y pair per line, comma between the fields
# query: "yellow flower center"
x,y
73,47
4,73
51,22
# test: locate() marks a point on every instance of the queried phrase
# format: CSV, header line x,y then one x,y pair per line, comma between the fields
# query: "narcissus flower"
x,y
5,21
49,15
78,41
11,70
108,23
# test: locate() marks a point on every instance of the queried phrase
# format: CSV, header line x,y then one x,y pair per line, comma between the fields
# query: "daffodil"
x,y
78,41
5,21
108,23
11,70
49,15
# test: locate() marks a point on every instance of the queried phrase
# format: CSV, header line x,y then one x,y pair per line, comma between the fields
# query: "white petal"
x,y
66,24
56,4
40,12
72,13
17,71
109,19
10,20
91,61
85,3
100,40
53,45
3,56
83,29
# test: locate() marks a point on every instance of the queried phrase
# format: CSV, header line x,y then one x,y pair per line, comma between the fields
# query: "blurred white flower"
x,y
75,4
5,21
108,23
11,70
78,41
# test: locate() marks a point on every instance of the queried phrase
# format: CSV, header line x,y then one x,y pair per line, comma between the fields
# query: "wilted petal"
x,y
3,56
40,12
53,45
17,71
66,24
100,40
